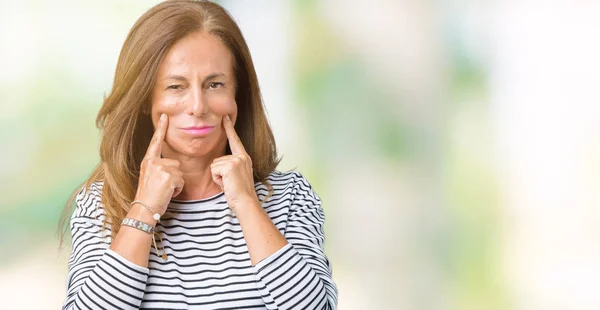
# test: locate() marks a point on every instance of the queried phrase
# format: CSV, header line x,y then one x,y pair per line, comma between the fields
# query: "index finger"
x,y
155,147
235,144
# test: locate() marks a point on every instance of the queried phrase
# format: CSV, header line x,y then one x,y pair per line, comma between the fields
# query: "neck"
x,y
197,177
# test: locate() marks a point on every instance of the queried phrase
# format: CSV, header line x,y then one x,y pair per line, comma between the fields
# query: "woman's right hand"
x,y
160,178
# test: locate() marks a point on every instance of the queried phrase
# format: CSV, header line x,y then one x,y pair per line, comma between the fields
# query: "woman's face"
x,y
195,88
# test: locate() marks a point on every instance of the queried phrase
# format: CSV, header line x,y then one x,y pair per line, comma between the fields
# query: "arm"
x,y
115,277
295,274
291,269
99,278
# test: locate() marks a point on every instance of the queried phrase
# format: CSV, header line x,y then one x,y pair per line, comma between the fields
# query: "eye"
x,y
215,85
175,86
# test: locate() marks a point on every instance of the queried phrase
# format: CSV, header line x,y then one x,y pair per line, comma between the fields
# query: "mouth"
x,y
198,130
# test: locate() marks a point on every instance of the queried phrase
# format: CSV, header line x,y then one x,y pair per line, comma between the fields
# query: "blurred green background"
x,y
455,144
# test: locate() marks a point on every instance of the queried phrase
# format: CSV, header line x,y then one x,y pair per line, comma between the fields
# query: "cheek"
x,y
170,105
223,106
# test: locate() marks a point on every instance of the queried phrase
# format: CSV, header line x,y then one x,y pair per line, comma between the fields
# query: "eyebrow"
x,y
207,78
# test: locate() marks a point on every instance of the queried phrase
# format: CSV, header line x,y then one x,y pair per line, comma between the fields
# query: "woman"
x,y
188,168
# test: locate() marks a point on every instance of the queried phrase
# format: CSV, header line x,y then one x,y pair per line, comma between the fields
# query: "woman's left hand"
x,y
233,173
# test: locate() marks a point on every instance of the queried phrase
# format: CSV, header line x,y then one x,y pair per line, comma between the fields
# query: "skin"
x,y
195,86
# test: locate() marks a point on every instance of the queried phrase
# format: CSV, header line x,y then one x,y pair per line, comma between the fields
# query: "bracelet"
x,y
145,227
156,216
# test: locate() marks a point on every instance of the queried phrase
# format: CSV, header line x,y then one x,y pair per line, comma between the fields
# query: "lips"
x,y
198,130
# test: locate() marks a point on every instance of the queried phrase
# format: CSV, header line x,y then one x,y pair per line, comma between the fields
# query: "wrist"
x,y
140,213
152,210
245,206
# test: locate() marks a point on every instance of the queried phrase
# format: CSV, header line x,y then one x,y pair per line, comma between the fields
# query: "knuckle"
x,y
165,177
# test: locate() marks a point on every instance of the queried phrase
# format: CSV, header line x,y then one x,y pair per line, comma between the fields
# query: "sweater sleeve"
x,y
299,275
99,278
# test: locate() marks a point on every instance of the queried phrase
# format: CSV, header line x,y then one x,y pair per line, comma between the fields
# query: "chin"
x,y
195,147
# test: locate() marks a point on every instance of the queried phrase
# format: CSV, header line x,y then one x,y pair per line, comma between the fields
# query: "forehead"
x,y
197,53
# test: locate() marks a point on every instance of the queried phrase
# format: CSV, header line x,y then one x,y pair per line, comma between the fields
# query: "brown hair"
x,y
127,131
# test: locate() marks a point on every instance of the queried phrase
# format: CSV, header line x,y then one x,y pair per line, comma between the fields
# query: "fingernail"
x,y
162,117
227,117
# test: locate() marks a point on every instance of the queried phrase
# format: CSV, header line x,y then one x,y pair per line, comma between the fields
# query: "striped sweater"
x,y
208,265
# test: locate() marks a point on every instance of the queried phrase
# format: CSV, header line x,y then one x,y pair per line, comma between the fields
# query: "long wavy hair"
x,y
126,130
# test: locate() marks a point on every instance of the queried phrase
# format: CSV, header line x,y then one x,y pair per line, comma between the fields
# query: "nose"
x,y
197,104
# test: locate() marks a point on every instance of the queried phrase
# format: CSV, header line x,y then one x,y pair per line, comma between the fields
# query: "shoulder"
x,y
292,184
88,201
288,177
